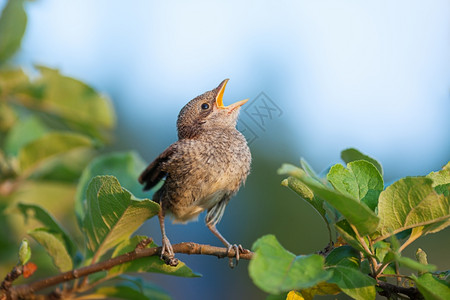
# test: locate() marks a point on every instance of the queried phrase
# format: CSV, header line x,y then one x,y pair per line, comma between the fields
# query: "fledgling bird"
x,y
203,169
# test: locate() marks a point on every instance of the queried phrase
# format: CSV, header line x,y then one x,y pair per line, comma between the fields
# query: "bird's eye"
x,y
205,106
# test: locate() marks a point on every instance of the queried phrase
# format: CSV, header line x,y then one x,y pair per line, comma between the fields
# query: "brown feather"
x,y
154,173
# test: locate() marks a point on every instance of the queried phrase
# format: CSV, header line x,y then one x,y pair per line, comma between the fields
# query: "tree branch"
x,y
390,289
24,290
9,278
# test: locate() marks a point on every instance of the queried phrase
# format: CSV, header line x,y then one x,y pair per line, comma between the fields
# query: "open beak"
x,y
219,98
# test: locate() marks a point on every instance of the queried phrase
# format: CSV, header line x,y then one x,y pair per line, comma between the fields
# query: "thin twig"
x,y
382,268
383,237
24,290
372,260
395,276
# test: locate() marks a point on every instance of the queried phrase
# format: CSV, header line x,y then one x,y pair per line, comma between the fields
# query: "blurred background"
x,y
321,76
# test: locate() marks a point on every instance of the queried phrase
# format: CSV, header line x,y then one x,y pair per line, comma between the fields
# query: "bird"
x,y
203,170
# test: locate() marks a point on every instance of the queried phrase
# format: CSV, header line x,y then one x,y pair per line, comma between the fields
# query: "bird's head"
x,y
207,112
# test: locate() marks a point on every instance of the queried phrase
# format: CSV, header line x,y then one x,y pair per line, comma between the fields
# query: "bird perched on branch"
x,y
203,169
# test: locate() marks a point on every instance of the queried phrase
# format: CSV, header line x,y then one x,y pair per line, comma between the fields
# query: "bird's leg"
x,y
167,253
237,248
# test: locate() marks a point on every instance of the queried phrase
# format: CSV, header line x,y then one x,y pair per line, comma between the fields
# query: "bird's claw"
x,y
237,250
167,254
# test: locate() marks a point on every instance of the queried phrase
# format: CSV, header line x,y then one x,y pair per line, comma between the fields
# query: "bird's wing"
x,y
154,173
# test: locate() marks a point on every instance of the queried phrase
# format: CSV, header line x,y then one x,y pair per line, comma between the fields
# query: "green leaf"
x,y
443,275
309,170
441,180
431,287
12,81
304,192
133,288
7,116
275,270
348,234
112,215
24,132
344,256
40,214
282,296
121,292
361,181
354,283
290,170
356,213
66,167
55,246
147,264
75,103
13,22
443,189
322,288
352,154
441,177
412,202
381,250
50,146
125,166
412,264
24,252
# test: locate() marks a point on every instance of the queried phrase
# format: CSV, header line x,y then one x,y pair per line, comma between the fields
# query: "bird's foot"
x,y
167,253
237,250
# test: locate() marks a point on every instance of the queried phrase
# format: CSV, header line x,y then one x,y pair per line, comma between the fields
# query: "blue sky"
x,y
373,75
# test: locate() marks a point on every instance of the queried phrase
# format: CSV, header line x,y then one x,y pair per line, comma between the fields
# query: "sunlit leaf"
x,y
355,212
66,167
354,283
275,270
112,215
441,180
295,295
55,246
49,146
322,288
352,154
43,216
75,103
360,180
291,170
13,22
24,132
125,166
12,80
441,177
7,116
147,264
411,202
44,193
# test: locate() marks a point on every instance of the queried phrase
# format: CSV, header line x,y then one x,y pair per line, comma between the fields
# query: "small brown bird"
x,y
203,169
